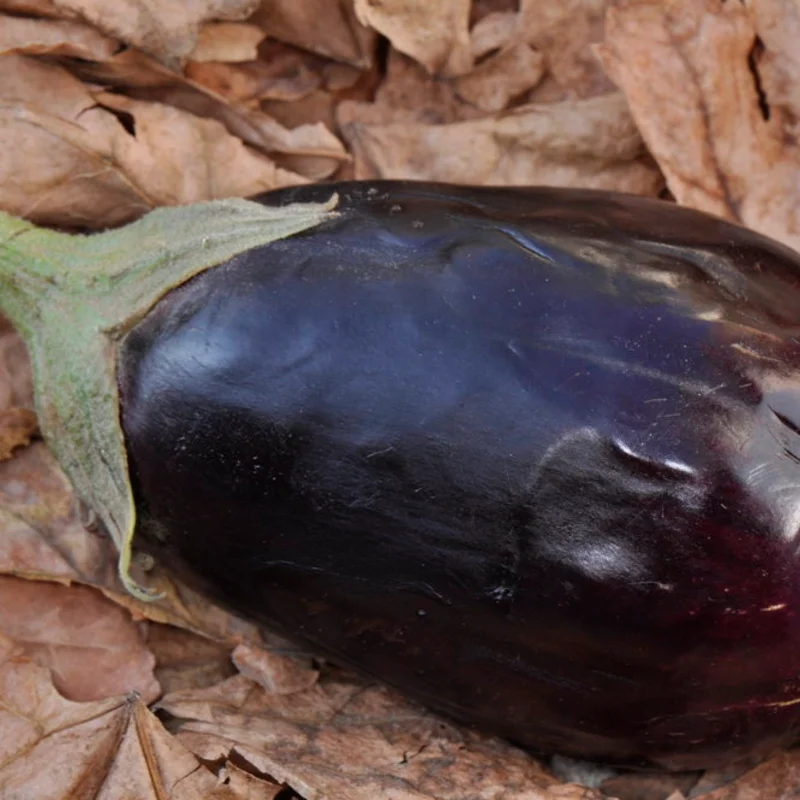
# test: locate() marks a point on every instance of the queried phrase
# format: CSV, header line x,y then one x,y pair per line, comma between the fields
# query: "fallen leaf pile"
x,y
109,108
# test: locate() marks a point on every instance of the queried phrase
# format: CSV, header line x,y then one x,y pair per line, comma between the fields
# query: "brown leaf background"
x,y
109,108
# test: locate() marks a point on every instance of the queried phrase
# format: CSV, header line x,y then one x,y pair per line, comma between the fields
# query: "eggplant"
x,y
531,456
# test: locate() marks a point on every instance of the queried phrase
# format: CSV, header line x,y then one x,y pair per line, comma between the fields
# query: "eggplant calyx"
x,y
73,298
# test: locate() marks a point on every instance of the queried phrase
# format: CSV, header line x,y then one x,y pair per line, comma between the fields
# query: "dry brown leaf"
x,y
238,84
281,673
67,157
340,77
16,384
645,786
185,660
283,73
311,150
318,106
51,747
50,168
166,29
591,143
227,41
35,8
338,81
114,749
776,779
481,8
54,37
246,786
326,27
174,157
496,81
564,32
43,536
684,67
714,779
435,34
17,427
778,25
90,645
343,738
493,32
151,764
408,93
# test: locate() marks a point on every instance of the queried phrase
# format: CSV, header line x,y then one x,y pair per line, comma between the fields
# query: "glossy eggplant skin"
x,y
530,455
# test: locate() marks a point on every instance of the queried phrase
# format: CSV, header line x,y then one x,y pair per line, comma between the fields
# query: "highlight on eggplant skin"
x,y
530,455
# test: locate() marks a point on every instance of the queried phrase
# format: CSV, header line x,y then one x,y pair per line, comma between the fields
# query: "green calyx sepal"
x,y
74,298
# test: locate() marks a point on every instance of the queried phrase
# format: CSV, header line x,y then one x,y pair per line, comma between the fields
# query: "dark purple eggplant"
x,y
530,455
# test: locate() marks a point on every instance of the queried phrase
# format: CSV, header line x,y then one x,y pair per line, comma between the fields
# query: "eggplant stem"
x,y
73,298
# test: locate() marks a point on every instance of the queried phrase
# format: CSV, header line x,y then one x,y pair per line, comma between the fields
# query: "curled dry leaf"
x,y
714,779
54,37
248,84
685,69
493,32
564,32
777,66
227,41
277,672
52,168
435,34
310,150
43,536
345,738
247,786
69,157
166,29
318,105
283,73
592,143
36,8
174,157
327,28
18,423
151,764
185,660
501,77
91,646
17,427
776,779
644,786
408,93
16,384
51,747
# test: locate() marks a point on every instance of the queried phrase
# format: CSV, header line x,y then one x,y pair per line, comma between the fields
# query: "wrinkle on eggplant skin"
x,y
530,455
